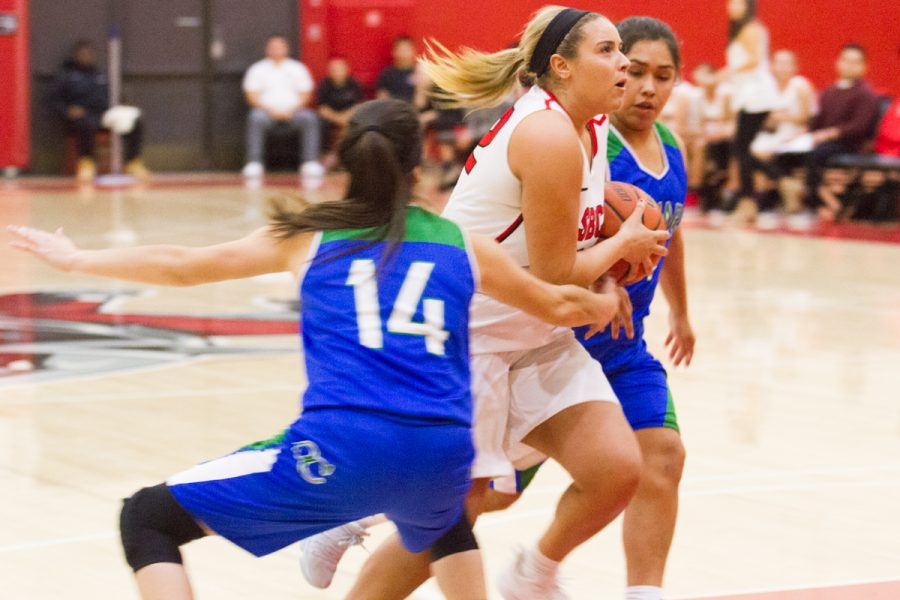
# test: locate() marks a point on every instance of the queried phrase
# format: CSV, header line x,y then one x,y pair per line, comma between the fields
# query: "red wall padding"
x,y
15,125
814,29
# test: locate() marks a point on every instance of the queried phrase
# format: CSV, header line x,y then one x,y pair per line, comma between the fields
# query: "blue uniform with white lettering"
x,y
386,426
638,379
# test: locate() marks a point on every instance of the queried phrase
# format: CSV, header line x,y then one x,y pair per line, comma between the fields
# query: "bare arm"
x,y
673,282
303,100
332,116
752,39
255,254
567,305
253,99
545,156
805,97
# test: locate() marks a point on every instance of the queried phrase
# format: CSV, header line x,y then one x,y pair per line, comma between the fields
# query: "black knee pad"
x,y
153,525
460,538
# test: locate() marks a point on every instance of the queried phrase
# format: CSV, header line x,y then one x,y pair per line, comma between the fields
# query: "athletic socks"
x,y
643,592
536,563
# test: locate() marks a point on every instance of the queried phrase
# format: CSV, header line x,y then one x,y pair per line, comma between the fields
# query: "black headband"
x,y
552,37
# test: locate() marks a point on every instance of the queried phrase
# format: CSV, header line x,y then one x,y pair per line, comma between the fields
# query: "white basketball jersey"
x,y
488,200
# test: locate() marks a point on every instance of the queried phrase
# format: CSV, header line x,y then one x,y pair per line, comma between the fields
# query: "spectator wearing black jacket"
x,y
398,81
336,97
80,98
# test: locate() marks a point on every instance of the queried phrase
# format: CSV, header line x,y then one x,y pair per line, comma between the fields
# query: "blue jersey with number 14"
x,y
390,338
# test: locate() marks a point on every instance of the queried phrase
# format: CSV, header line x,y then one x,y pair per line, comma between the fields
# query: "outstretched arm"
x,y
255,254
564,305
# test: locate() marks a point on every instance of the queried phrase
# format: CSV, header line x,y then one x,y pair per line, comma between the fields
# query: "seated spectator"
x,y
682,115
336,96
790,118
450,136
874,198
399,80
278,90
845,121
780,147
81,98
714,143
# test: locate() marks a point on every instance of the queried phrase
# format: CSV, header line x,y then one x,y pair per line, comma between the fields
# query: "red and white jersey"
x,y
488,200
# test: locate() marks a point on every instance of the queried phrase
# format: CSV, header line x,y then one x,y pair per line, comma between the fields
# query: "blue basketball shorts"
x,y
643,389
329,468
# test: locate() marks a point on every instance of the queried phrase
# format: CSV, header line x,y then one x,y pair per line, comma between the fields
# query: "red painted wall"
x,y
15,126
814,29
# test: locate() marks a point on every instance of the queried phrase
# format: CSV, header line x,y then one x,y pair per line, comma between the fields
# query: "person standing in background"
x,y
278,90
755,93
81,98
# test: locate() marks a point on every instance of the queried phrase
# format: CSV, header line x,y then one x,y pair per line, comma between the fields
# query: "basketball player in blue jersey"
x,y
643,152
385,289
536,183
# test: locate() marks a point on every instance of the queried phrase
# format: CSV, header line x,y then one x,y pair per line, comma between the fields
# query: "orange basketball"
x,y
620,200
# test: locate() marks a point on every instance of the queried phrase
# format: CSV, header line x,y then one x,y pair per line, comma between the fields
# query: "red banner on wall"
x,y
15,122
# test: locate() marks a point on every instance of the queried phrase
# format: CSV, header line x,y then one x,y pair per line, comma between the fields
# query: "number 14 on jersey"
x,y
364,282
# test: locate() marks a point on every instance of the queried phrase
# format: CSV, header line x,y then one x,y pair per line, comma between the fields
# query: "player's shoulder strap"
x,y
426,226
614,145
665,134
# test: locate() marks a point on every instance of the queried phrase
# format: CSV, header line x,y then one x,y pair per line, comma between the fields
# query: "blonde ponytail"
x,y
470,78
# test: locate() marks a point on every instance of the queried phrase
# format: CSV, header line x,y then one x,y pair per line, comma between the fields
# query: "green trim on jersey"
x,y
614,146
421,226
272,442
671,419
666,135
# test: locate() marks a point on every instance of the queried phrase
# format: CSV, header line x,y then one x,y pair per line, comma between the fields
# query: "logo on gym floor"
x,y
57,336
307,455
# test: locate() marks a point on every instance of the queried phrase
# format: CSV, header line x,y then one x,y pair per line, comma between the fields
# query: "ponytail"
x,y
476,79
380,149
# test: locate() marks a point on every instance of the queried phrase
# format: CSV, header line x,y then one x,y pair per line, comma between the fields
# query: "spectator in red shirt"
x,y
846,119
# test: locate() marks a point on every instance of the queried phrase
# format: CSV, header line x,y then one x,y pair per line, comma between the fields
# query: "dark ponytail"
x,y
380,149
736,26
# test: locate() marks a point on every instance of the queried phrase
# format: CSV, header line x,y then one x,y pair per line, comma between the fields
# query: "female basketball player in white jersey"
x,y
644,152
385,290
536,184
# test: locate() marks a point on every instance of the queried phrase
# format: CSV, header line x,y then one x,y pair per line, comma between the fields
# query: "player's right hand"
x,y
56,249
643,246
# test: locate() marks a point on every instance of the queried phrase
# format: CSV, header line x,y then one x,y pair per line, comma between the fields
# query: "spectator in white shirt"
x,y
278,90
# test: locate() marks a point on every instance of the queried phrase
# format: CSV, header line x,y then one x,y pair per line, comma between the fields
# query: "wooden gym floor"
x,y
790,412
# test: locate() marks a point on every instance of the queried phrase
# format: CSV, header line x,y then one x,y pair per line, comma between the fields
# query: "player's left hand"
x,y
622,319
681,340
56,249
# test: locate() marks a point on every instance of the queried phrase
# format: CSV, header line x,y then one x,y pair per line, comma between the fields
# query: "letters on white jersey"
x,y
488,200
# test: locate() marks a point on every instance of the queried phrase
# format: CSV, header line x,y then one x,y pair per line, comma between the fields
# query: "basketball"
x,y
620,200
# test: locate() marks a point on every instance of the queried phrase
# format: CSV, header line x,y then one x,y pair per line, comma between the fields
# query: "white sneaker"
x,y
253,169
767,221
321,553
312,168
520,582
